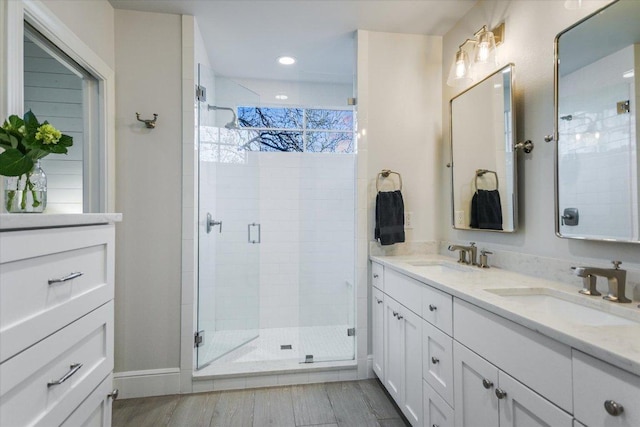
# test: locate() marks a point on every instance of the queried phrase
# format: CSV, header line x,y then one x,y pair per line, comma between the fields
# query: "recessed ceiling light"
x,y
282,96
287,60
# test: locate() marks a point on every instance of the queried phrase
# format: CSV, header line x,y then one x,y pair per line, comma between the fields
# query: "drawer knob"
x,y
395,314
487,384
500,394
378,300
75,367
400,316
613,408
114,394
65,278
375,276
432,307
434,360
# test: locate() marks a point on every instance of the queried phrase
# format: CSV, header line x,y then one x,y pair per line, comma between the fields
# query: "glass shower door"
x,y
229,224
327,258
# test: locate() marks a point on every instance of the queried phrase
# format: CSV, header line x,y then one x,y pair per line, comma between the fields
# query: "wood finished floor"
x,y
340,404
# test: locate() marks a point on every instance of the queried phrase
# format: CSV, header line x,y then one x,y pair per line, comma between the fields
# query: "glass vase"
x,y
26,193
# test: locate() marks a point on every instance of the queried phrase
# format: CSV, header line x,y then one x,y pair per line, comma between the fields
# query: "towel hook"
x,y
481,172
149,123
384,173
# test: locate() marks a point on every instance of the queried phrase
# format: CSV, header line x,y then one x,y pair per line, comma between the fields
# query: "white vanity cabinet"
x,y
56,325
486,396
377,337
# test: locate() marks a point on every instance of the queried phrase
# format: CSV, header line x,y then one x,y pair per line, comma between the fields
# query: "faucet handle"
x,y
486,252
616,264
472,244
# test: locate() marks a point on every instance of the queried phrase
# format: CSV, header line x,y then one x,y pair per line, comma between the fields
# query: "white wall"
x,y
149,191
531,27
399,110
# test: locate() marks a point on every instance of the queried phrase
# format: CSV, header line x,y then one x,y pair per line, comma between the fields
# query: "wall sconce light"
x,y
483,56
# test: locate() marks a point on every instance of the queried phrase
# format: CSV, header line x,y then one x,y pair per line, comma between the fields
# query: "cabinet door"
x,y
377,336
474,380
522,407
412,365
392,357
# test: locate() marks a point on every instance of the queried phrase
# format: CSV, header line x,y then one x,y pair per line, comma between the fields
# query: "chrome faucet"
x,y
615,276
472,250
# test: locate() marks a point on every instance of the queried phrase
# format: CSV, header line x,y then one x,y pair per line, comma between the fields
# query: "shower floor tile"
x,y
324,343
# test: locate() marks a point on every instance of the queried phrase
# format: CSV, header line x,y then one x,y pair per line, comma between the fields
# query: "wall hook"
x,y
526,146
150,124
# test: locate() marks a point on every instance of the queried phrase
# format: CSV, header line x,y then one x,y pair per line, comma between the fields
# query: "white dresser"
x,y
56,319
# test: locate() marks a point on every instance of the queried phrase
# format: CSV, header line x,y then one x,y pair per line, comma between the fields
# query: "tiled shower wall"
x,y
598,149
302,272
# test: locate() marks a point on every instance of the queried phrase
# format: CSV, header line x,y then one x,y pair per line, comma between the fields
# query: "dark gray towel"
x,y
486,210
389,217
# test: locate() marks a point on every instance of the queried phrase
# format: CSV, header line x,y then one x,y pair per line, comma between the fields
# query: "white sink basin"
x,y
443,266
572,308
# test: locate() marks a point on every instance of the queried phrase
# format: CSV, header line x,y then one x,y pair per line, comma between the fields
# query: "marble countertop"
x,y
617,344
10,222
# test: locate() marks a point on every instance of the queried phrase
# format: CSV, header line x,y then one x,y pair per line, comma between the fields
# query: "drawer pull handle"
x,y
500,394
613,408
66,278
114,394
378,300
75,367
432,307
487,384
375,276
434,360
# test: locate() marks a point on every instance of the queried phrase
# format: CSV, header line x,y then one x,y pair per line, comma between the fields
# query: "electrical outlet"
x,y
408,220
459,218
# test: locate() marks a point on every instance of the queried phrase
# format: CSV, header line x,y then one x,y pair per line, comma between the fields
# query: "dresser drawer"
x,y
403,289
436,411
95,411
377,275
35,298
437,309
541,363
596,382
437,361
28,395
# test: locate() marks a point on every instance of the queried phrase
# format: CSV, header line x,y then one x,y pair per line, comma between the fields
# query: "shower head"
x,y
233,124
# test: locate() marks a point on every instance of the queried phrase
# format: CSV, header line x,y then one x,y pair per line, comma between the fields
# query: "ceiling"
x,y
244,37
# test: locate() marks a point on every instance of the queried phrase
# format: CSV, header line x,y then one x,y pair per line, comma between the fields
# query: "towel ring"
x,y
385,174
480,173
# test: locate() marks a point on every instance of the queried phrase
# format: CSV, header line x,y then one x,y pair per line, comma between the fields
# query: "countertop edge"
x,y
578,343
13,222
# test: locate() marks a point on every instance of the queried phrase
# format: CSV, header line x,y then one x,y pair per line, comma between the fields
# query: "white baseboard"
x,y
151,382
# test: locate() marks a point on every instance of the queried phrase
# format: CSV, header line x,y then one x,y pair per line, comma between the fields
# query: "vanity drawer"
x,y
377,275
437,309
26,398
403,289
437,361
541,363
96,408
436,411
31,308
596,382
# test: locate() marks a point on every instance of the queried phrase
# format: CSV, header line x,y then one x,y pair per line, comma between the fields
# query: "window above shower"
x,y
286,129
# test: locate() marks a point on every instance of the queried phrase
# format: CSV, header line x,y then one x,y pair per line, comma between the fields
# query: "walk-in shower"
x,y
276,245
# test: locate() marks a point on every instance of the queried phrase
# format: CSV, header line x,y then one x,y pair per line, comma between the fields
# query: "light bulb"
x,y
461,69
483,52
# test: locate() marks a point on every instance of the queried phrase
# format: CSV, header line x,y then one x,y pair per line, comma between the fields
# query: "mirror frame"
x,y
451,164
556,112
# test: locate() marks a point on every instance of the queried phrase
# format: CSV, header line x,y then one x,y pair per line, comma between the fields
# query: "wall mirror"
x,y
483,160
596,125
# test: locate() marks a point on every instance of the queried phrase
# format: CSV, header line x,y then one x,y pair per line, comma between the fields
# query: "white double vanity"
x,y
56,319
457,345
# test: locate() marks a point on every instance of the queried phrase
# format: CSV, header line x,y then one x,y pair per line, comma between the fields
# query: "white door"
x,y
412,365
522,407
392,358
475,381
377,321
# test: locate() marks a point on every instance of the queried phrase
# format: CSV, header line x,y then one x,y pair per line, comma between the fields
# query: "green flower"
x,y
48,134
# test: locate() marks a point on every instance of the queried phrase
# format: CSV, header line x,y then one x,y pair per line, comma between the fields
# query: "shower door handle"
x,y
249,239
212,223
